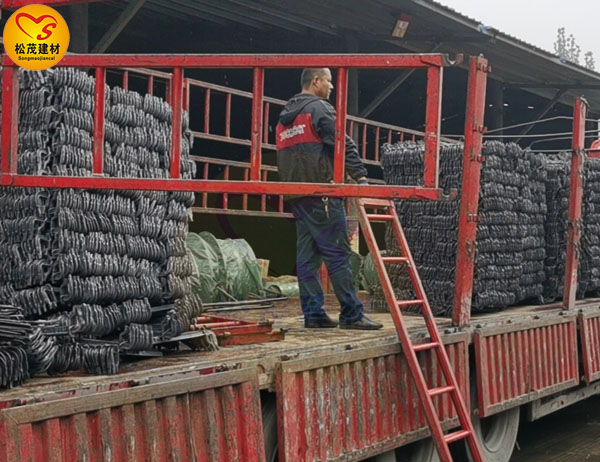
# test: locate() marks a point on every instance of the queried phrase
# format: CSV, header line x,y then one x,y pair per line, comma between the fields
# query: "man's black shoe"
x,y
322,323
363,324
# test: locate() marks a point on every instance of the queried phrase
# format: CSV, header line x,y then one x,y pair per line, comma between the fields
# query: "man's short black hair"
x,y
309,74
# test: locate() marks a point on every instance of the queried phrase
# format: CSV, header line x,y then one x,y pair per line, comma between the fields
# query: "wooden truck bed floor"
x,y
299,343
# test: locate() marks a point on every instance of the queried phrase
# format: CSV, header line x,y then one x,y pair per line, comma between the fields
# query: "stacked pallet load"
x,y
510,242
558,168
92,264
589,282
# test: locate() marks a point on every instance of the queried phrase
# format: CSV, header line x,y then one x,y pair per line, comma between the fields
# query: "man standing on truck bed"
x,y
305,142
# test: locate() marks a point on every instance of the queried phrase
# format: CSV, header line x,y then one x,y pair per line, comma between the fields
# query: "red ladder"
x,y
426,394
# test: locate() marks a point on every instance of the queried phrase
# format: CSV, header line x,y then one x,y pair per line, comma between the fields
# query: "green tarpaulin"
x,y
224,266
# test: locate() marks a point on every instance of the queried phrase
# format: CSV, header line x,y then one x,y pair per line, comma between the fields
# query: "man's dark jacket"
x,y
306,139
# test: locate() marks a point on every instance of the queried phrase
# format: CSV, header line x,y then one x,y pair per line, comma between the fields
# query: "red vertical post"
x,y
364,141
467,219
575,203
341,101
99,100
377,134
125,84
266,123
151,85
10,120
245,196
207,110
177,104
225,195
205,177
186,95
432,126
263,197
228,115
256,133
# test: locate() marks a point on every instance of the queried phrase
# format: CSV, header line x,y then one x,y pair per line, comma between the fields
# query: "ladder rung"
x,y
440,390
459,435
376,203
379,217
402,303
394,259
425,346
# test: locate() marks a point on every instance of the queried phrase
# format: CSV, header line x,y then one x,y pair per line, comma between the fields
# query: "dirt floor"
x,y
570,435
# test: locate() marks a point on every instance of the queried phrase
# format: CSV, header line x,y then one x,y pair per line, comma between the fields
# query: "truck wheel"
x,y
497,434
421,451
269,421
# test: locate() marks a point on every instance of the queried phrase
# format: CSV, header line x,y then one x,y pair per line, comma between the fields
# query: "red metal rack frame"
x,y
434,63
575,203
178,96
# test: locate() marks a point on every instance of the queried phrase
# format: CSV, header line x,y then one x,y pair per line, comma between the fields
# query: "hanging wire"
x,y
533,122
560,138
489,133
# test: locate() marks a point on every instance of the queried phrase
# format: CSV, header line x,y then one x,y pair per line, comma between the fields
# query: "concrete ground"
x,y
570,435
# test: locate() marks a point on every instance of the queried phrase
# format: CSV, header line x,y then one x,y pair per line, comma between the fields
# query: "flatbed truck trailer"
x,y
317,395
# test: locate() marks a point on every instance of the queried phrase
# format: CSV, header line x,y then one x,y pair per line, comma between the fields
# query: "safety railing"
x,y
368,134
256,179
178,87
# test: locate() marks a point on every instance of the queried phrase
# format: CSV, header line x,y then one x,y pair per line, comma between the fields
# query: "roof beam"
x,y
420,39
280,14
392,87
499,37
115,29
185,14
542,112
208,8
566,85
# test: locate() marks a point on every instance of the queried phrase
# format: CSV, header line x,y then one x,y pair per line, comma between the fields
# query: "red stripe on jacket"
x,y
298,132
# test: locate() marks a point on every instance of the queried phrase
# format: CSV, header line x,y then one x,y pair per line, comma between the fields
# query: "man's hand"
x,y
362,180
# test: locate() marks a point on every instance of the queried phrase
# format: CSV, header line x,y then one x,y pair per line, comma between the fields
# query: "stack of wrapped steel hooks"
x,y
590,243
95,261
557,201
510,239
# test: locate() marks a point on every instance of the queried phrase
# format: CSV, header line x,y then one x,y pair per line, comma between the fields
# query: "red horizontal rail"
x,y
232,187
272,61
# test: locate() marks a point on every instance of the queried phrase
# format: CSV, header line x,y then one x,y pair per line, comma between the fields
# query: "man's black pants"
x,y
322,235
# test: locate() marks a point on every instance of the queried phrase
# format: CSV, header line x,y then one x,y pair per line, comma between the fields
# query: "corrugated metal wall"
x,y
589,327
347,407
214,418
521,362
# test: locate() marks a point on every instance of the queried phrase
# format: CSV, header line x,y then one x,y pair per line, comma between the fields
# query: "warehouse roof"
x,y
433,27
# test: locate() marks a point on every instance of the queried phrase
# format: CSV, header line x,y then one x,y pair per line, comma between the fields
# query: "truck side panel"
x,y
213,419
589,328
524,361
350,406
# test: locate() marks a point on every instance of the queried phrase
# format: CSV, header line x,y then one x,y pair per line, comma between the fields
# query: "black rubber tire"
x,y
497,434
269,421
421,451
